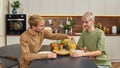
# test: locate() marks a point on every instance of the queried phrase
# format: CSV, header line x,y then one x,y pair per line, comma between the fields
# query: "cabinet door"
x,y
97,7
2,42
1,25
35,6
113,45
25,6
49,7
65,7
81,6
112,7
13,40
0,5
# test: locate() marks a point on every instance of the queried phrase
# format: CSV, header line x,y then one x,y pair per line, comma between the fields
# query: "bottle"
x,y
114,29
71,26
72,44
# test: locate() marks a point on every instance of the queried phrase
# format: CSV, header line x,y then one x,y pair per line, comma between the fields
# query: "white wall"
x,y
3,11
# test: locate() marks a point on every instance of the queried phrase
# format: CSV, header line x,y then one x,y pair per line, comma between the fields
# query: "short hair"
x,y
34,20
88,16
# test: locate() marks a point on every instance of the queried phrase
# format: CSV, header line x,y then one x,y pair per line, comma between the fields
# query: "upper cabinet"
x,y
65,7
49,7
71,7
97,7
112,7
1,18
0,5
25,6
3,11
1,25
81,6
35,7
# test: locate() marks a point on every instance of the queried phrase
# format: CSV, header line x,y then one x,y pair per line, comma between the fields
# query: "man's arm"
x,y
54,36
93,53
25,50
90,54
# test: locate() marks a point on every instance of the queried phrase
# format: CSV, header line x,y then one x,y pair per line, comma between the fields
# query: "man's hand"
x,y
52,55
92,57
76,54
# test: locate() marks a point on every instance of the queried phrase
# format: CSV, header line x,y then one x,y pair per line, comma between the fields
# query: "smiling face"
x,y
37,23
87,24
88,20
40,27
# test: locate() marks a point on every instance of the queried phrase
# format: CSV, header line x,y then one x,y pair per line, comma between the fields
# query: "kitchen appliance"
x,y
15,24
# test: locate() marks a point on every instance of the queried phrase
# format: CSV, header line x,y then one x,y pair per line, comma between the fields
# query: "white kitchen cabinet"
x,y
80,7
35,7
97,7
71,7
0,5
49,7
113,45
65,7
25,6
1,24
3,11
112,7
13,40
2,42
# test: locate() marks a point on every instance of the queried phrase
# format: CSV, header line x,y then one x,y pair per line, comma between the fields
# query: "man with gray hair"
x,y
92,41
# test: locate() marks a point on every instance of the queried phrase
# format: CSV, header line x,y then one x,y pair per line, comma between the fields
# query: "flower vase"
x,y
14,11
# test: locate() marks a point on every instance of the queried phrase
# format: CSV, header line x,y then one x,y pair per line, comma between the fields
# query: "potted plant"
x,y
15,5
68,28
118,27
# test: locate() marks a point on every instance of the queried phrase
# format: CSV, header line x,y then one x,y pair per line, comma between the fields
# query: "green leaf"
x,y
72,22
66,27
15,4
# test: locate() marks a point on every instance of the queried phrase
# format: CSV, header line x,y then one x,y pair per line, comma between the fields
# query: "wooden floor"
x,y
115,64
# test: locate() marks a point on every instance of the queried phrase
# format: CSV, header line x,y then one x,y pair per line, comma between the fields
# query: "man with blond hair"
x,y
92,41
31,41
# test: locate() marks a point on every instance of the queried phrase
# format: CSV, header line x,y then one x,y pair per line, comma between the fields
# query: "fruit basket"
x,y
63,47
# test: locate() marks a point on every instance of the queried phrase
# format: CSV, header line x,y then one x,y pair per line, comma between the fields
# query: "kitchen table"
x,y
63,62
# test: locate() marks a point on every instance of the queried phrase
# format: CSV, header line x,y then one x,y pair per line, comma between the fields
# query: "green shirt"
x,y
93,41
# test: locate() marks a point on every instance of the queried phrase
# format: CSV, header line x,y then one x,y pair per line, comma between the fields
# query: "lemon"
x,y
64,41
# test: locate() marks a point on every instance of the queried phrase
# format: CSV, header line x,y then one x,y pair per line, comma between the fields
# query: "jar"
x,y
105,30
108,30
114,29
